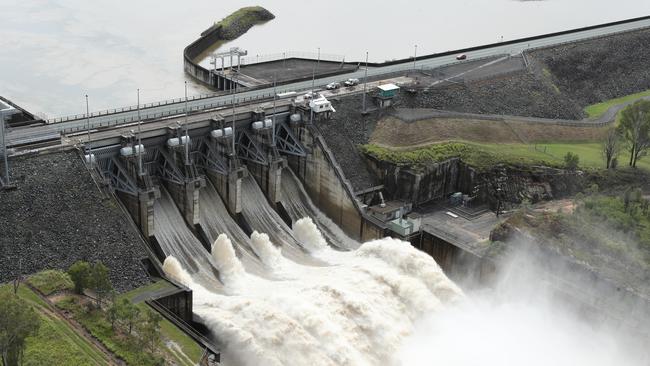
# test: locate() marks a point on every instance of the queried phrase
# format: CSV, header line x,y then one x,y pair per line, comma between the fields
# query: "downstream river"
x,y
52,53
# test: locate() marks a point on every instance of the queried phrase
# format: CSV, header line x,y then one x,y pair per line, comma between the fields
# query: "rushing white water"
x,y
175,239
215,220
298,205
384,303
355,310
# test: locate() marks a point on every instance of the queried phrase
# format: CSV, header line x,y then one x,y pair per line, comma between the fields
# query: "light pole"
x,y
275,94
313,81
234,133
4,149
138,151
90,150
415,56
187,136
365,83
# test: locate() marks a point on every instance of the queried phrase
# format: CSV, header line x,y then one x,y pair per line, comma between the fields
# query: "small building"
x,y
386,94
320,105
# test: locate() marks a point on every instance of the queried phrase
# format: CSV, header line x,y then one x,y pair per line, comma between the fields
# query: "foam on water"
x,y
266,251
308,235
229,266
356,310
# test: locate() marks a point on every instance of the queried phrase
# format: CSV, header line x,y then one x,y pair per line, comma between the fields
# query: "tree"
x,y
80,275
17,322
571,160
149,329
99,281
635,129
112,314
611,147
128,313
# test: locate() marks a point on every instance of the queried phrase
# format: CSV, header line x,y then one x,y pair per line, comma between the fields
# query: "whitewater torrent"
x,y
355,310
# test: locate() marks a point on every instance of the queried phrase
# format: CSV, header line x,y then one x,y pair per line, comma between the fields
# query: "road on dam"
x,y
29,135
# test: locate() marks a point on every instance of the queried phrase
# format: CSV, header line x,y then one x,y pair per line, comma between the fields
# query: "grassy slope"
x,y
99,327
50,281
169,330
56,342
485,155
598,109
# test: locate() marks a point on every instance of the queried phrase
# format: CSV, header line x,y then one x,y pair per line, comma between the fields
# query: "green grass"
x,y
159,285
168,329
56,342
99,327
597,110
50,281
485,156
244,15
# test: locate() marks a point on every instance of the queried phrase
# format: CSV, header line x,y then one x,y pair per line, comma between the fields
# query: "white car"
x,y
352,82
332,86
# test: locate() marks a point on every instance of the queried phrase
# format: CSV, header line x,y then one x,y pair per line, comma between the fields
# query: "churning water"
x,y
383,303
355,310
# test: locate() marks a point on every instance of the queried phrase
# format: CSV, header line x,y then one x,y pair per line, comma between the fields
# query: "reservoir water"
x,y
52,53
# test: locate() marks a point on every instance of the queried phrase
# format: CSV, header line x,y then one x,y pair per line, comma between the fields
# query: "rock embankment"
x,y
57,216
599,69
516,94
343,134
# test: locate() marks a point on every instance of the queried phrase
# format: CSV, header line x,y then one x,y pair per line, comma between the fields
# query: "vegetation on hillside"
x,y
480,156
634,127
610,234
237,23
50,281
55,342
599,109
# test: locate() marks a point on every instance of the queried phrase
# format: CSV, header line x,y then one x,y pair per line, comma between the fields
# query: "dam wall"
x,y
326,185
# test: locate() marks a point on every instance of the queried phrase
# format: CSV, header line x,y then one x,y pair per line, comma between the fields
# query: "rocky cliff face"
x,y
506,183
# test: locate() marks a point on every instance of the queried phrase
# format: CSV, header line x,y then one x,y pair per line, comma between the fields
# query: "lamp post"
x,y
234,133
187,136
4,149
365,83
140,172
313,81
90,150
275,94
415,56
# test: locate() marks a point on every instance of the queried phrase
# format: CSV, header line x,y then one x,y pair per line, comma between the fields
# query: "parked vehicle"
x,y
352,82
462,56
332,86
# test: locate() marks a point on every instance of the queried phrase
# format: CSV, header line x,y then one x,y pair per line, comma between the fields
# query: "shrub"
x,y
571,160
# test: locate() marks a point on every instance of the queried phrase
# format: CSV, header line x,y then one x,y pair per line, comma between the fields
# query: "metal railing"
x,y
251,60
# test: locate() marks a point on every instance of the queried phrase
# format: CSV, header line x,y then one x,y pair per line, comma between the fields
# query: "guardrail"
x,y
251,60
175,112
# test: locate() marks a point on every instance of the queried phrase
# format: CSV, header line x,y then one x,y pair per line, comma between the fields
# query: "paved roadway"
x,y
33,134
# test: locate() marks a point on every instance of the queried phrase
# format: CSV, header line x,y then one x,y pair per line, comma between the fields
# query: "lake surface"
x,y
52,53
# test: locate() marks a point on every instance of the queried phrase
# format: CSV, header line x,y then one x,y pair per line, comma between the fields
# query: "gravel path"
x,y
57,216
